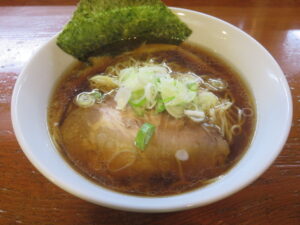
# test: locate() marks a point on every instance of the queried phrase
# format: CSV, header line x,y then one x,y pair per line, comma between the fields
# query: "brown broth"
x,y
200,61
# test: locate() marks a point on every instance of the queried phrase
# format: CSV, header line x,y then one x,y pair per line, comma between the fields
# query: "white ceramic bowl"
x,y
256,65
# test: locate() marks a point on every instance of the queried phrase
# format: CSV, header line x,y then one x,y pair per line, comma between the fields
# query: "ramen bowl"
x,y
257,67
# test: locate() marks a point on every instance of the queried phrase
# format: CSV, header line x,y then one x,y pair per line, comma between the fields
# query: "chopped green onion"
x,y
85,100
138,110
144,135
138,99
195,115
122,97
151,92
138,103
147,86
160,106
138,94
207,100
166,100
88,99
98,96
193,86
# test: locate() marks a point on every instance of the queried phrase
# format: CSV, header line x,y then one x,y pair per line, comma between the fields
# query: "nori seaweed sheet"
x,y
101,27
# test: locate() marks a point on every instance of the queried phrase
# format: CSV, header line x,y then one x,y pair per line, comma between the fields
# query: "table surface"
x,y
26,197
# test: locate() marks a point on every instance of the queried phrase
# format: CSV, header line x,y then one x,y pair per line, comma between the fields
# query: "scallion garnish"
x,y
193,86
144,135
138,110
97,95
160,106
88,99
166,100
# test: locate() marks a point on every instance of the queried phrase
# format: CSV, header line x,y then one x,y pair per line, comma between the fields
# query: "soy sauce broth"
x,y
75,80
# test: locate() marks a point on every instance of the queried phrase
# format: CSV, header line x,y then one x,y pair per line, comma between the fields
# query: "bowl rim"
x,y
137,208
